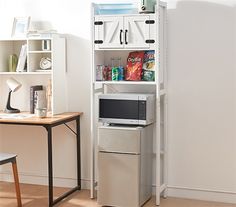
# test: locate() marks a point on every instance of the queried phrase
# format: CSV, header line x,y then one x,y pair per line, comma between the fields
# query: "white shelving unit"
x,y
33,74
115,36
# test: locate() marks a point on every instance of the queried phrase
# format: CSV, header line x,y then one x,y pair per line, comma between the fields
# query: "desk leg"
x,y
50,171
78,153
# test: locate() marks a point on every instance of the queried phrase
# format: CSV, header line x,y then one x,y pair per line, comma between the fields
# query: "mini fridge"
x,y
124,165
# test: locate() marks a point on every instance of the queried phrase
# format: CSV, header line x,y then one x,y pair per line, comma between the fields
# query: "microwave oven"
x,y
126,108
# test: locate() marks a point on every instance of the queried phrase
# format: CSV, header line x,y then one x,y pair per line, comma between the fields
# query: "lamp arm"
x,y
8,106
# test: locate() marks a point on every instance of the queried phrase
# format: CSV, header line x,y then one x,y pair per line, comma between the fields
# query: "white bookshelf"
x,y
105,48
33,74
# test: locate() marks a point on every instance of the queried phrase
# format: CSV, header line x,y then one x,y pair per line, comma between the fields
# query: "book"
x,y
22,59
32,96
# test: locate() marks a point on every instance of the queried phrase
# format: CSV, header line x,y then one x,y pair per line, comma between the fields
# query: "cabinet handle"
x,y
121,39
126,38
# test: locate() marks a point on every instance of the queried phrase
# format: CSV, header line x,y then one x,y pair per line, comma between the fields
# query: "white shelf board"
x,y
26,73
125,15
41,36
39,52
40,73
14,39
123,49
127,82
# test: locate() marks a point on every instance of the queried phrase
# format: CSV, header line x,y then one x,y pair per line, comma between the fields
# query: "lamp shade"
x,y
13,84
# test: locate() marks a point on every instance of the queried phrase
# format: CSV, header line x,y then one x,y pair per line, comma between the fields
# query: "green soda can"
x,y
115,73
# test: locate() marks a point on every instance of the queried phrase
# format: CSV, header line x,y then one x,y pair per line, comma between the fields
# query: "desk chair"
x,y
6,158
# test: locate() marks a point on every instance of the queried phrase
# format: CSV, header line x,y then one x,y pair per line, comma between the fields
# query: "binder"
x,y
22,59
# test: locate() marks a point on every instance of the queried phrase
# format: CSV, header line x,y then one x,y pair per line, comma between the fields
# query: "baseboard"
x,y
202,194
173,191
29,178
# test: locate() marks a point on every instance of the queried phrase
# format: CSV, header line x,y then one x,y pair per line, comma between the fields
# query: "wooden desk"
x,y
48,123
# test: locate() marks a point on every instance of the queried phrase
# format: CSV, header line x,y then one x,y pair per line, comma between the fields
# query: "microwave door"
x,y
119,111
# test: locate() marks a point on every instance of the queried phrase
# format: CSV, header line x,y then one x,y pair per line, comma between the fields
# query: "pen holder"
x,y
40,99
41,112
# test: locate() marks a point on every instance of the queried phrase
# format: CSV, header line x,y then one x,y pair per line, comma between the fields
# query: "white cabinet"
x,y
131,31
115,37
32,73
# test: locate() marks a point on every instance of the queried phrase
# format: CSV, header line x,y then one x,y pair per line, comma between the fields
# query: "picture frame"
x,y
20,27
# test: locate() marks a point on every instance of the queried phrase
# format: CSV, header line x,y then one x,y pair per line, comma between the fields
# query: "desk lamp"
x,y
13,85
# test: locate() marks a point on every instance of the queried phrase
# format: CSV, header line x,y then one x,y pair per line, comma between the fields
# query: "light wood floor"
x,y
36,196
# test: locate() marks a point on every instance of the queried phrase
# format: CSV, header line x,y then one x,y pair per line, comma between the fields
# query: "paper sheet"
x,y
15,116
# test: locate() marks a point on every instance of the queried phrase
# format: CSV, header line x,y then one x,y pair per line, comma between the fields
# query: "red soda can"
x,y
104,73
109,73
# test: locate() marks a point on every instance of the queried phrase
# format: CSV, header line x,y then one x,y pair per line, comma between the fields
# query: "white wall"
x,y
201,95
202,85
73,19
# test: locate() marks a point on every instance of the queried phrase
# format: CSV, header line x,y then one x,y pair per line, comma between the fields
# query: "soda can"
x,y
109,73
115,74
120,73
104,73
99,72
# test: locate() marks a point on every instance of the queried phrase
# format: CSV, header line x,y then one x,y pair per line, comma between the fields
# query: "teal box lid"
x,y
109,9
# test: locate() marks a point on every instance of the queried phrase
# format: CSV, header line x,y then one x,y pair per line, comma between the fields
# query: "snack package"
x,y
134,66
149,66
148,75
149,60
